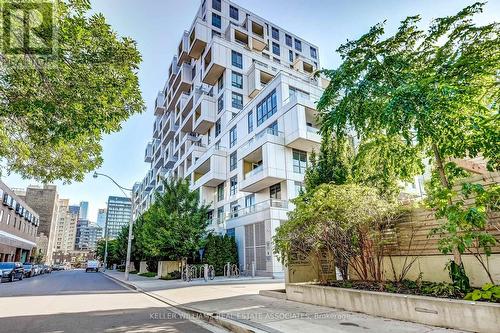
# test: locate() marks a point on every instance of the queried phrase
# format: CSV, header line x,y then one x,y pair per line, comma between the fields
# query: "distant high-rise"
x,y
118,214
66,227
101,217
84,209
75,210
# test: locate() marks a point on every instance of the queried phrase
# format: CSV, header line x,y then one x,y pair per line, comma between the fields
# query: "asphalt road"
x,y
75,301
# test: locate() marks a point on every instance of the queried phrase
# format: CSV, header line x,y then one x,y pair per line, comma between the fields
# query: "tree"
x,y
434,91
219,250
343,224
174,226
56,108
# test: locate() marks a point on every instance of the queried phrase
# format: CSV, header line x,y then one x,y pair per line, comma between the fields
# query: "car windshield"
x,y
27,265
4,265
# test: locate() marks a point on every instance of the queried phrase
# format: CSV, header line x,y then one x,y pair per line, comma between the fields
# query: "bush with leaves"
x,y
219,250
488,292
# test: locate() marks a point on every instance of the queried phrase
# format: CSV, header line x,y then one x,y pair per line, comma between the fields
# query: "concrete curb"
x,y
279,294
210,318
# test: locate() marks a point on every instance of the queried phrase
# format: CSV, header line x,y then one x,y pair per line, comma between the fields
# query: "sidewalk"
x,y
237,303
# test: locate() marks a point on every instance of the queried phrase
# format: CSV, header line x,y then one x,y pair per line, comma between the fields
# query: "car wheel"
x,y
12,277
21,277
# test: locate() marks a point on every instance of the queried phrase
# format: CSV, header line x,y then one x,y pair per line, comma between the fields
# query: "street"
x,y
75,301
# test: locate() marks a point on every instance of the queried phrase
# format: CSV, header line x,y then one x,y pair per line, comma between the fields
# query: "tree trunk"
x,y
444,181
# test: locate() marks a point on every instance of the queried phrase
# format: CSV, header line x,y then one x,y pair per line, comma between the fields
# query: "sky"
x,y
157,26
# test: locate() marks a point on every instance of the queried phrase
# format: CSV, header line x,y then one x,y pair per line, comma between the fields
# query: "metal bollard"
x,y
205,273
253,269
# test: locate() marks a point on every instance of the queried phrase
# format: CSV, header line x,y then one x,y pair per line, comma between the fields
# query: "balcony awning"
x,y
15,241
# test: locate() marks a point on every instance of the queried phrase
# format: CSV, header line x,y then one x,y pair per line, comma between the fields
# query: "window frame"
x,y
239,96
299,164
232,10
298,45
216,17
235,56
238,83
233,136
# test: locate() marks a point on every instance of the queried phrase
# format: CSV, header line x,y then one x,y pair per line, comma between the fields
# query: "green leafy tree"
x,y
434,91
56,109
219,250
343,224
174,226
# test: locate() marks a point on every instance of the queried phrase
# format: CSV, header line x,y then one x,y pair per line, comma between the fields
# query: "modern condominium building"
x,y
118,215
66,228
236,117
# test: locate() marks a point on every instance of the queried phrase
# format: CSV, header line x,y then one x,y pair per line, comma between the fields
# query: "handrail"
x,y
269,203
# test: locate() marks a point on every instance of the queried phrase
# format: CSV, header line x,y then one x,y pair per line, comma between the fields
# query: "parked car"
x,y
57,267
47,269
29,269
37,269
11,271
92,266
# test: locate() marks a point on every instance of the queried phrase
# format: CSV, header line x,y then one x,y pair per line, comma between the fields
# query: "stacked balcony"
x,y
263,167
274,209
159,104
148,153
210,169
183,49
259,75
301,128
204,113
182,84
169,128
214,64
304,65
173,69
198,38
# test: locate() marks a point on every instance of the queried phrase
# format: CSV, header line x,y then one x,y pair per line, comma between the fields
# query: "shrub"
x,y
220,250
148,274
175,275
488,292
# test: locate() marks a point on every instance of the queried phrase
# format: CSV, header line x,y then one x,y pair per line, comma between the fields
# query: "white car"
x,y
92,266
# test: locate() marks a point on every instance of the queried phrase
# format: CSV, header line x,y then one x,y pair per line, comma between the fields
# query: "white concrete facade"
x,y
237,118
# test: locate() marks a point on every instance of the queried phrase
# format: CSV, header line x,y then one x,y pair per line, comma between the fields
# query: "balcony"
x,y
187,123
256,30
214,64
304,65
259,75
263,167
182,84
198,38
268,209
157,125
237,34
301,129
183,49
204,114
210,169
148,154
159,104
261,138
170,160
173,69
169,128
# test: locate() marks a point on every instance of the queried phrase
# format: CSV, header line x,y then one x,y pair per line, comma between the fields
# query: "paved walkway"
x,y
237,302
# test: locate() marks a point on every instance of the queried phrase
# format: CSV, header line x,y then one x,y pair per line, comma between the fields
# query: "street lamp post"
x,y
129,243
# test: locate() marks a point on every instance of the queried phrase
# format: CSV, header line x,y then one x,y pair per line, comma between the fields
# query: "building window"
x,y
233,185
250,121
288,40
220,83
216,4
216,20
237,101
217,127
234,207
237,59
290,55
276,48
275,33
220,213
220,192
233,13
232,136
275,191
298,45
267,107
299,161
299,188
233,161
220,103
250,200
273,128
313,53
237,80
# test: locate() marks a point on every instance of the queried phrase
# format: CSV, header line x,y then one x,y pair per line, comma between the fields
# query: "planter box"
x,y
458,314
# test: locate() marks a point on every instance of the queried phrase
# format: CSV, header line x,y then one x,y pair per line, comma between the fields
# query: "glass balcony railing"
x,y
258,207
254,172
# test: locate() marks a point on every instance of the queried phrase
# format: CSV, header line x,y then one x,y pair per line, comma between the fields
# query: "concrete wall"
x,y
143,267
463,315
166,267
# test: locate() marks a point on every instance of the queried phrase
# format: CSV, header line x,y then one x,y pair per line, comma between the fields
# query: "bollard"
x,y
253,269
205,273
228,269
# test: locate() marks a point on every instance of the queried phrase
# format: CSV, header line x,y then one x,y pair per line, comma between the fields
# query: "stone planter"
x,y
458,314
